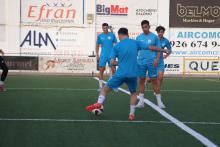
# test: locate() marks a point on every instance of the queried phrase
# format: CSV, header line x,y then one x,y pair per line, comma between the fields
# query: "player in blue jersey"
x,y
165,44
126,52
148,59
106,40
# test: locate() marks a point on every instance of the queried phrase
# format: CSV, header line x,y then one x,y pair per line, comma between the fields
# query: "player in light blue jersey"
x,y
148,59
165,44
106,40
126,52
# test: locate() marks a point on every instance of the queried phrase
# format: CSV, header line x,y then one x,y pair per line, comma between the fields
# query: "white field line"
x,y
175,121
88,89
55,89
103,121
213,80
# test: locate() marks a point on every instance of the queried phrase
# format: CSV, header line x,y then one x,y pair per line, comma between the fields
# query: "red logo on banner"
x,y
46,12
111,10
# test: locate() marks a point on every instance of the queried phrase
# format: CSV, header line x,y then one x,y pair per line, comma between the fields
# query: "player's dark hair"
x,y
105,25
123,31
159,28
145,22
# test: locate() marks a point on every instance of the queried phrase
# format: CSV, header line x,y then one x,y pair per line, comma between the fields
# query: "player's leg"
x,y
105,90
160,78
153,74
133,102
142,78
147,81
101,98
101,73
102,64
4,68
160,71
132,86
113,68
156,88
113,82
141,87
112,72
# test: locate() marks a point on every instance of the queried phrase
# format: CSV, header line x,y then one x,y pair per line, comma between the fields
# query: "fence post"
x,y
183,67
218,69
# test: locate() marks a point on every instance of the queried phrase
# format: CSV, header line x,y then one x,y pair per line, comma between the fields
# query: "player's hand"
x,y
166,51
97,57
155,63
115,63
167,55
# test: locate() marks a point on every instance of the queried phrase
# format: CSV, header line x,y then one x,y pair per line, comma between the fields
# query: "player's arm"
x,y
156,60
138,44
168,46
154,48
157,45
167,55
97,51
113,56
115,40
98,42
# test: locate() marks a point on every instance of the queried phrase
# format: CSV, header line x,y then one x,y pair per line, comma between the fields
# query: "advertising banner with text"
x,y
195,42
205,66
52,12
67,64
196,13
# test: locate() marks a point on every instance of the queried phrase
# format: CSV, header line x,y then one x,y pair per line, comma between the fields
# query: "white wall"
x,y
9,39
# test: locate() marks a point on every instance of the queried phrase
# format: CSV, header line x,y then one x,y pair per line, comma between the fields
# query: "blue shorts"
x,y
147,68
115,82
161,66
103,61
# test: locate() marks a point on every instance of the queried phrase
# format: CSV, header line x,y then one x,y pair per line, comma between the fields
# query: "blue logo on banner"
x,y
38,39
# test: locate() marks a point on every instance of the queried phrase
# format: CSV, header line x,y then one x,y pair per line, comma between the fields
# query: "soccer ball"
x,y
98,111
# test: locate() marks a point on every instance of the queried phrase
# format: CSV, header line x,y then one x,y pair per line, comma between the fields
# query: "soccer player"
x,y
127,72
4,67
148,58
165,44
106,39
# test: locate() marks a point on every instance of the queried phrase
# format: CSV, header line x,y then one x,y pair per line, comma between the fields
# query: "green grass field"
x,y
48,111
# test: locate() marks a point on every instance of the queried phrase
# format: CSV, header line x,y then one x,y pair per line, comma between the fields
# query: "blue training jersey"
x,y
106,41
145,55
165,44
126,52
